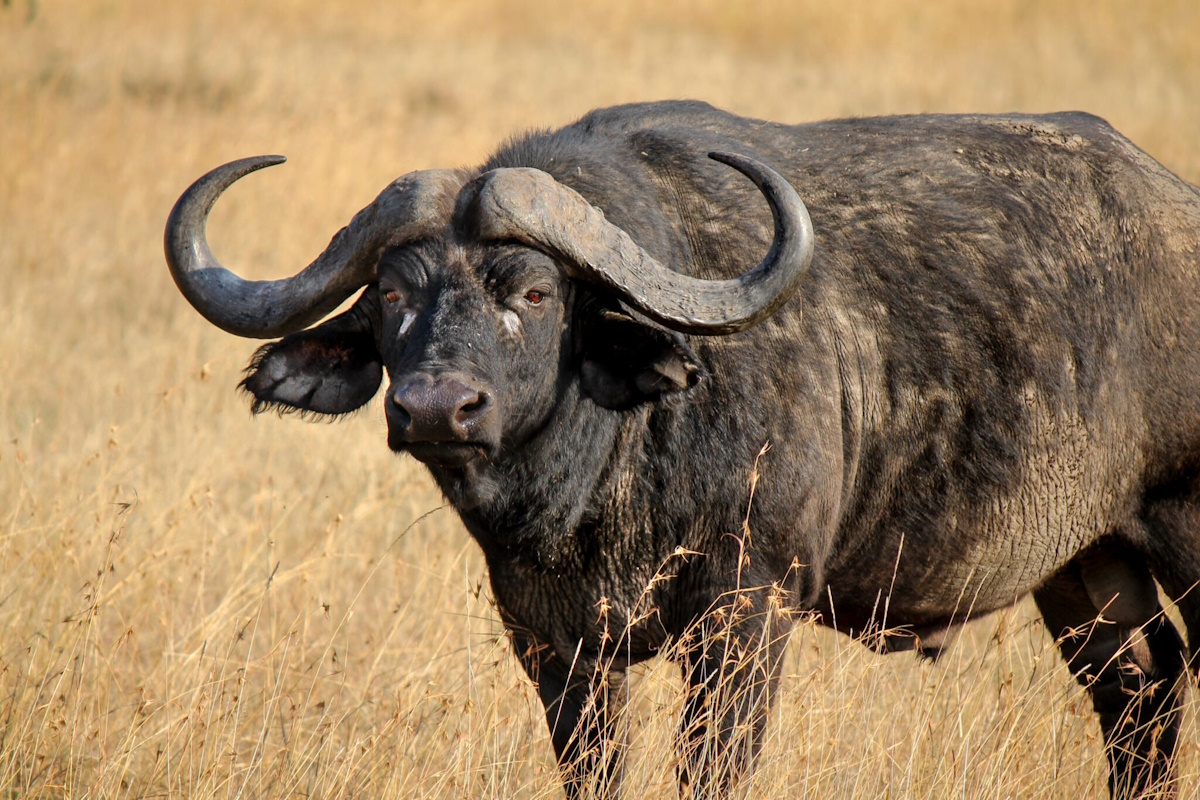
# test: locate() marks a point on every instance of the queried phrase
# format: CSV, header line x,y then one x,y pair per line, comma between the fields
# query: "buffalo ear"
x,y
626,362
333,368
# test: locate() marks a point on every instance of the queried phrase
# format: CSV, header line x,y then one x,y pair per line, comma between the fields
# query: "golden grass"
x,y
197,604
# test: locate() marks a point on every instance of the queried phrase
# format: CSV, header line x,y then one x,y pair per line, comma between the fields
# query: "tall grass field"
x,y
196,603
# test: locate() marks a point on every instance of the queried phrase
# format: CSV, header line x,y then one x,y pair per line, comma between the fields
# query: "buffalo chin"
x,y
442,454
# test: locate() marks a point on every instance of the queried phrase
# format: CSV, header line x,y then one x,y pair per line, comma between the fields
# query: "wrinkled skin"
x,y
987,386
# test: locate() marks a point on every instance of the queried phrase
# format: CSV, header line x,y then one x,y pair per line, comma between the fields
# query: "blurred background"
x,y
195,603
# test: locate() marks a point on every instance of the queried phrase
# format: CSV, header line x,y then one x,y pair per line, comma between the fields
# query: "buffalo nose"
x,y
442,408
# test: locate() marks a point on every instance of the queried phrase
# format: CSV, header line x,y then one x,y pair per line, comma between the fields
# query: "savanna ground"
x,y
194,603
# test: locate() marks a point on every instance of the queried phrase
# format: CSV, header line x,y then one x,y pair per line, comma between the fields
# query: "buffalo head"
x,y
485,298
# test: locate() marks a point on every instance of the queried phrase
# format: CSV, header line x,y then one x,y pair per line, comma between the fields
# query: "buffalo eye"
x,y
391,297
534,297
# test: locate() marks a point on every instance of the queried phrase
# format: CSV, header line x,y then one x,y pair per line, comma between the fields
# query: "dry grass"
x,y
194,603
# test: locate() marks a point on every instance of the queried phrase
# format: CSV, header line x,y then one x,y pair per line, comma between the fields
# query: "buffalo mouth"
x,y
443,454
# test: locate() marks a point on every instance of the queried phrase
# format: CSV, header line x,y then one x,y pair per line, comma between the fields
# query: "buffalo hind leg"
x,y
582,710
1104,612
732,668
1173,547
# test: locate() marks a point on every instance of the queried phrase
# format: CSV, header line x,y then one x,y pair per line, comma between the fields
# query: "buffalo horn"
x,y
409,208
532,207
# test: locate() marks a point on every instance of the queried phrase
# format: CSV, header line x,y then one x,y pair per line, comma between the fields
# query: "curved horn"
x,y
532,207
412,206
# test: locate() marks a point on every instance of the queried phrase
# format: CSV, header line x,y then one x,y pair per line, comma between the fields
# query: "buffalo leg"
x,y
582,710
1174,550
1104,612
732,669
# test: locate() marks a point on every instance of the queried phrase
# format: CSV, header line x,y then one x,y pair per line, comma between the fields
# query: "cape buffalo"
x,y
975,374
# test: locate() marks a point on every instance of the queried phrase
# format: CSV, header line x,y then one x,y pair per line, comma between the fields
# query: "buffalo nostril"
x,y
401,413
474,408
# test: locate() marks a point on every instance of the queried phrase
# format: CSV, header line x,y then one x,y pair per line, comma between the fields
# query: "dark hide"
x,y
988,385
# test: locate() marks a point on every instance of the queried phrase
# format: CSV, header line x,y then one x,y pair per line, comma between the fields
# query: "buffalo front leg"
x,y
731,667
1103,610
583,713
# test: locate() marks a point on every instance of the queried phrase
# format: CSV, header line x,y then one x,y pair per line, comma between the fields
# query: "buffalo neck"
x,y
530,502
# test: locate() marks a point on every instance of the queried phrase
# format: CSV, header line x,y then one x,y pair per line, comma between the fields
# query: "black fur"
x,y
992,367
